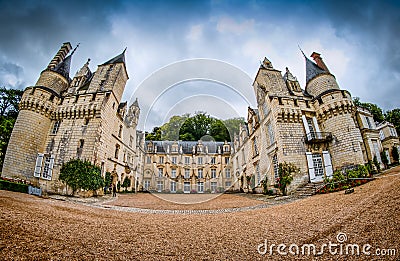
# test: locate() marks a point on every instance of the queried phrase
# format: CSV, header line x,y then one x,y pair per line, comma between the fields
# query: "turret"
x,y
56,76
81,79
318,78
111,76
291,82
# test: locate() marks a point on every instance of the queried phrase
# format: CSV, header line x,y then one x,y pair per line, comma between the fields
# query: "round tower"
x,y
26,147
335,113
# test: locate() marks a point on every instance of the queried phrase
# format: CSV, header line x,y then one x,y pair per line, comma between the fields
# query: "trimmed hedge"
x,y
11,186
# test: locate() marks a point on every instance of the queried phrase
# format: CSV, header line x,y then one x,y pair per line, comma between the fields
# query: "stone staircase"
x,y
307,190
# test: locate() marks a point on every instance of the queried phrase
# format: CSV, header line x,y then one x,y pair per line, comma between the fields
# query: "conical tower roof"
x,y
64,67
312,70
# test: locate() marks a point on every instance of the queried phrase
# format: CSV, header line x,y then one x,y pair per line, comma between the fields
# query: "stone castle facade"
x,y
317,128
62,118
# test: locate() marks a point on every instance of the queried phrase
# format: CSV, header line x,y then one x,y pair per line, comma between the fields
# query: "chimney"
x,y
318,60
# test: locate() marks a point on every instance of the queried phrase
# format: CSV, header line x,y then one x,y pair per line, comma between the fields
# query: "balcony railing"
x,y
318,137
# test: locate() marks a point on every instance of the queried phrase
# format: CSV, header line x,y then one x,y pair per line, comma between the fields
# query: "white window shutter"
x,y
310,163
327,163
303,117
50,173
38,166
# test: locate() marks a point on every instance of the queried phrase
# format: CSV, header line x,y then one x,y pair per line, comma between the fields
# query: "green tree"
x,y
126,183
286,171
233,126
393,116
384,158
78,174
218,131
9,100
395,154
377,164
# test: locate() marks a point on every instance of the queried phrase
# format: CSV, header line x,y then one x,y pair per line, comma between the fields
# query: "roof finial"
x,y
302,51
75,49
124,50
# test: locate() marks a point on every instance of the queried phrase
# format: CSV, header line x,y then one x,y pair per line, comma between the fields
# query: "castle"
x,y
318,128
62,118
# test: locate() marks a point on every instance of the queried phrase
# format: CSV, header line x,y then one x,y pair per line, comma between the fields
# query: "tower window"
x,y
55,127
81,143
116,151
86,121
120,131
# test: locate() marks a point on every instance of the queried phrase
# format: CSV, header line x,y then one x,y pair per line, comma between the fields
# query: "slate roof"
x,y
64,67
312,70
187,146
117,59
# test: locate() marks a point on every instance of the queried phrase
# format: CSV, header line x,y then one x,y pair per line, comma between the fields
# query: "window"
x,y
160,172
173,160
255,149
55,127
318,167
81,143
187,173
258,172
393,132
200,173
160,185
200,187
116,151
226,148
148,159
48,167
146,184
200,160
228,184
276,166
381,135
228,173
368,122
213,173
213,186
271,137
161,159
131,141
173,186
120,131
265,109
226,160
173,173
186,187
212,160
86,122
187,160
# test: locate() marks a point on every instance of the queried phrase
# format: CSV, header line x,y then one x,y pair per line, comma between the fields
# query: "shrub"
x,y
12,186
179,191
208,190
384,158
286,171
395,154
81,174
126,183
376,163
193,191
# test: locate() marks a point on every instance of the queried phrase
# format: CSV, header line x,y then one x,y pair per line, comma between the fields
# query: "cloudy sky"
x,y
358,40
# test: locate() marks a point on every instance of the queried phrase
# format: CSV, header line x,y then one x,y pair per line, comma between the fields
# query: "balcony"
x,y
318,137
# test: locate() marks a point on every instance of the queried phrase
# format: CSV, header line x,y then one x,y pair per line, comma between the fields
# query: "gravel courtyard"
x,y
34,228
